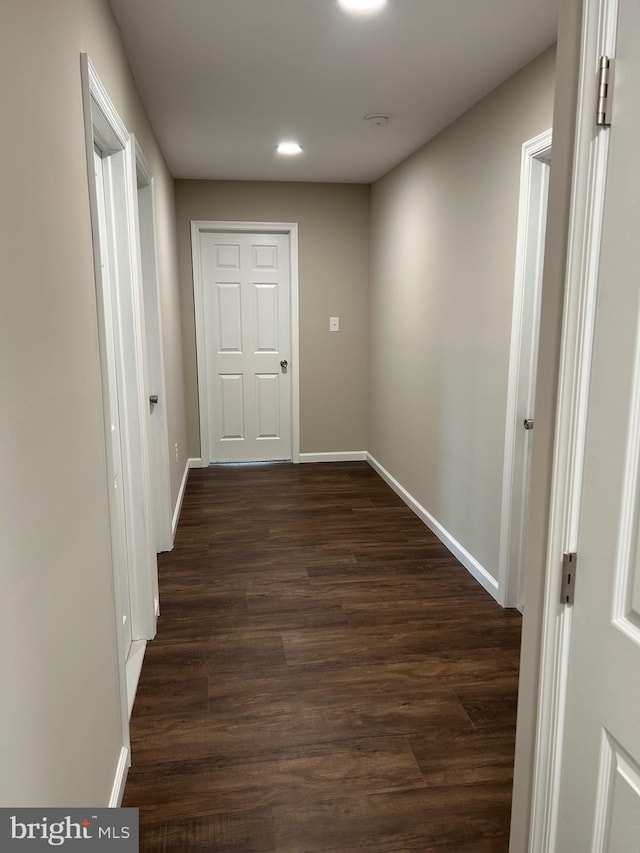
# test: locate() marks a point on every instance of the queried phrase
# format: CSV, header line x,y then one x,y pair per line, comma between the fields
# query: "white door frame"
x,y
198,228
104,126
525,328
105,130
160,496
108,327
585,228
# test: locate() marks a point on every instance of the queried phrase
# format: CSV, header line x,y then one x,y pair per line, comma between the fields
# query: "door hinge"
x,y
569,565
605,91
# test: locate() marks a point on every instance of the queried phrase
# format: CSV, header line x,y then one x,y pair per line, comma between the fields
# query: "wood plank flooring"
x,y
326,676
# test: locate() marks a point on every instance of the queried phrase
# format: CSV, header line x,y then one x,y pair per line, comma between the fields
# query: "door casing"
x,y
199,227
525,330
105,130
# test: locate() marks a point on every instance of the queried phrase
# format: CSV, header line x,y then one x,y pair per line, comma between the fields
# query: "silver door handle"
x,y
528,423
284,364
153,399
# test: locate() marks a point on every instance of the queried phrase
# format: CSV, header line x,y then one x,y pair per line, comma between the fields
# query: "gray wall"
x,y
60,710
443,240
333,236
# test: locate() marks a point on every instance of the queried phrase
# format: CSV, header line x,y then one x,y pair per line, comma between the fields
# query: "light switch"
x,y
334,324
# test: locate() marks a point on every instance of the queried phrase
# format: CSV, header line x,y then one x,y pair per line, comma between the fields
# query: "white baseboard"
x,y
468,561
342,456
178,506
120,780
133,669
191,463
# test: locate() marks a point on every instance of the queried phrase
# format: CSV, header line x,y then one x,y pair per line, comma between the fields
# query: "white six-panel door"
x,y
599,807
247,331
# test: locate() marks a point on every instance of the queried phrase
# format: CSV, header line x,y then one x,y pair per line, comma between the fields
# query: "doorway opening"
x,y
120,315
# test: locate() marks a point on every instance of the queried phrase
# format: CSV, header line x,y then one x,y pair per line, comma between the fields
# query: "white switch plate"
x,y
334,324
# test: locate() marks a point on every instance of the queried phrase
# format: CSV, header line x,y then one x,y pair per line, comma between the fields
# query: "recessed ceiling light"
x,y
362,7
289,148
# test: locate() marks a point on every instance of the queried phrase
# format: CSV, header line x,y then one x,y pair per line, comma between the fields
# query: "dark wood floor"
x,y
326,677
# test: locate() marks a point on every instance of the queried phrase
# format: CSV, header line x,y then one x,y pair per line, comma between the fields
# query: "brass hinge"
x,y
569,565
605,91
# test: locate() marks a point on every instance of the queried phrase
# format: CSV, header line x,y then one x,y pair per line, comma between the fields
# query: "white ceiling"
x,y
224,80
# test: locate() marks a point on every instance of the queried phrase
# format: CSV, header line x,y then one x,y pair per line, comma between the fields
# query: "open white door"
x,y
587,780
600,784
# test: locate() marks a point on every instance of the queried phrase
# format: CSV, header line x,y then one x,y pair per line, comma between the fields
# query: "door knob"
x,y
528,423
153,399
284,364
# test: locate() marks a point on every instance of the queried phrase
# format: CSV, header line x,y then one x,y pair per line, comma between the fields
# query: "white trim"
x,y
295,344
142,165
342,456
468,561
120,779
190,463
529,243
98,108
104,128
291,229
585,228
108,129
134,668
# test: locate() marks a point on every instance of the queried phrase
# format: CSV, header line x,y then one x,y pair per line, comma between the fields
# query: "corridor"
x,y
326,676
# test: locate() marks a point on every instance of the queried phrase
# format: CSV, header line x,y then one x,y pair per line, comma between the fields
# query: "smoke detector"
x,y
377,120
